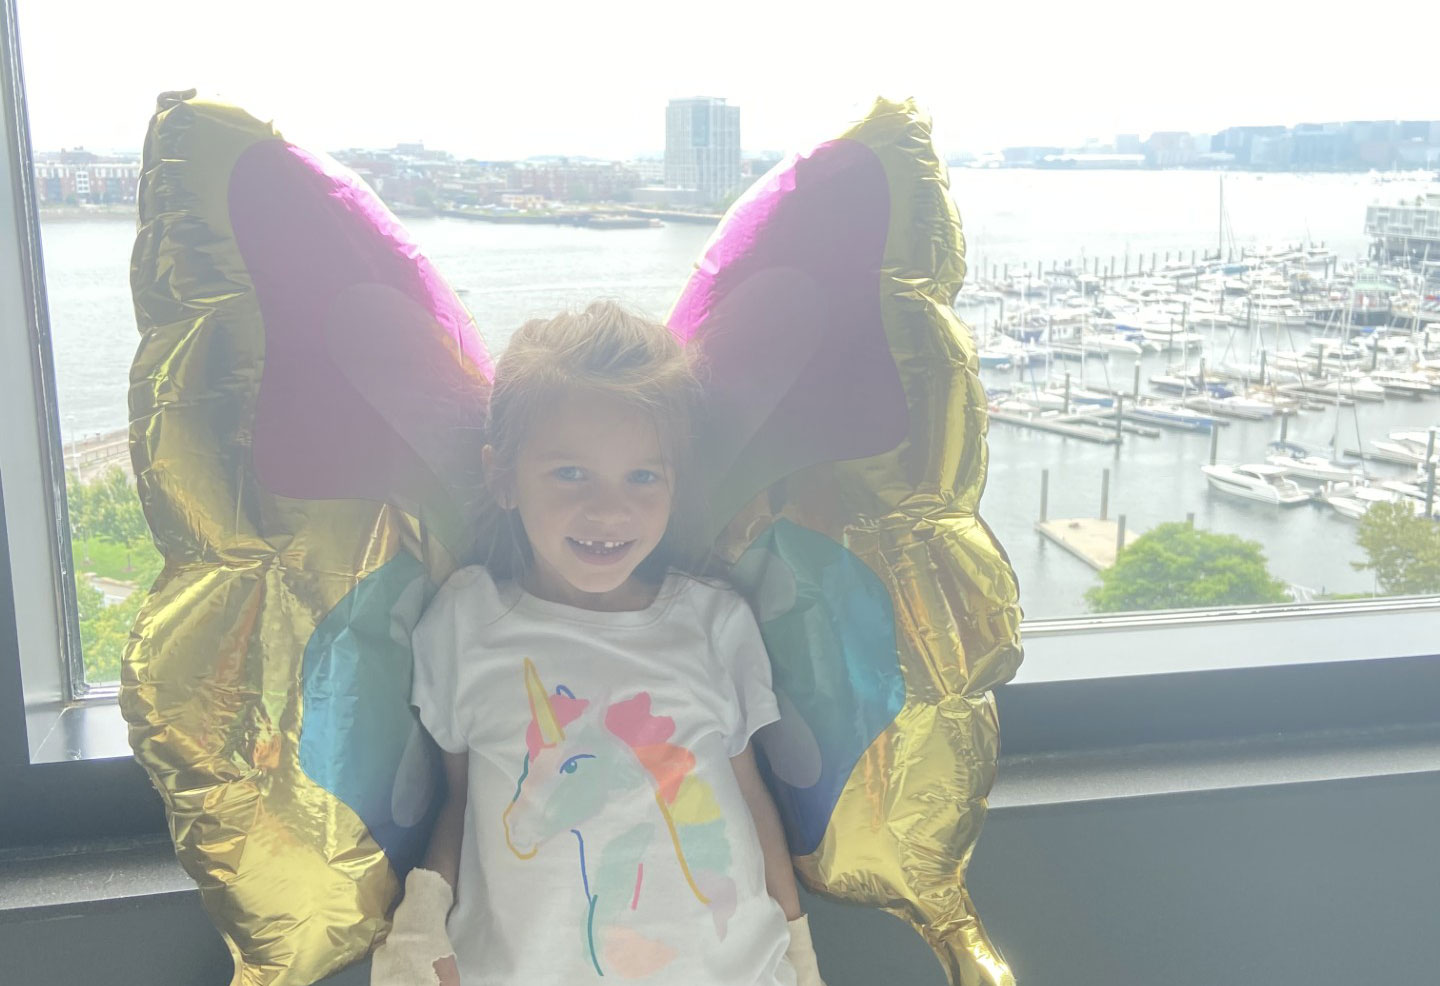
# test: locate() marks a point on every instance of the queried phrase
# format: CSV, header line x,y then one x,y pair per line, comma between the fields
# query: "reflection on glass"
x,y
1213,361
1279,366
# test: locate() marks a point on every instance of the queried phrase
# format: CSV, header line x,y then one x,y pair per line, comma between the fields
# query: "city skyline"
x,y
1130,143
593,81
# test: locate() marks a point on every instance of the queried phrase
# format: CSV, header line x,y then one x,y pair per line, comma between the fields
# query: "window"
x,y
1146,275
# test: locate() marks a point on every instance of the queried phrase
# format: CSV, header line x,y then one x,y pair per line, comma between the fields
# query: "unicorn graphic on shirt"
x,y
585,762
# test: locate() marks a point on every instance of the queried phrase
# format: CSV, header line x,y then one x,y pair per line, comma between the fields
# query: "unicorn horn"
x,y
540,711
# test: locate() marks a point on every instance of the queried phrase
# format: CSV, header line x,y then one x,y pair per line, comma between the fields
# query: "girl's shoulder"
x,y
470,590
707,598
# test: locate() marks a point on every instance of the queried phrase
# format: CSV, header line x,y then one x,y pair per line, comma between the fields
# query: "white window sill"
x,y
1181,641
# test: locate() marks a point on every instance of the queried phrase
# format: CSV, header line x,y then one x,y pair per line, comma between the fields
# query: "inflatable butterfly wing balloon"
x,y
307,494
305,404
847,463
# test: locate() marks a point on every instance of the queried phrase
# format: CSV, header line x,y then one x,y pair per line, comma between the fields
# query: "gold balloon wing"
x,y
304,406
845,441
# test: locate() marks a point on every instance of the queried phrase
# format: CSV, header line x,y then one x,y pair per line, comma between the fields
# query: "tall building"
x,y
702,147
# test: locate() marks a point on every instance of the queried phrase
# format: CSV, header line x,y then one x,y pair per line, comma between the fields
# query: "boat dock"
x,y
1067,425
1094,540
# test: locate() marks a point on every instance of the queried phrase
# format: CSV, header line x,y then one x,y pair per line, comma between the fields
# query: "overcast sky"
x,y
513,79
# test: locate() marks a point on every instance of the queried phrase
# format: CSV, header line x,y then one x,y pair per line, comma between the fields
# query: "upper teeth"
x,y
600,544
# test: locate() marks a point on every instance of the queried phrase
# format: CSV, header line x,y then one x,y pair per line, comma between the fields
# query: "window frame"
x,y
41,802
99,798
46,621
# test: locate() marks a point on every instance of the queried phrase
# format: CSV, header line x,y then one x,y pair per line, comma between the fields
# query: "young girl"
x,y
595,698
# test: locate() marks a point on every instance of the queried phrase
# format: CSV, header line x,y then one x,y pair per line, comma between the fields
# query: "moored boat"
x,y
1354,501
1296,461
1256,481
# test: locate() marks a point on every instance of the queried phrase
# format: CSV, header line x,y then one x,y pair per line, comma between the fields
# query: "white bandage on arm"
x,y
417,938
801,954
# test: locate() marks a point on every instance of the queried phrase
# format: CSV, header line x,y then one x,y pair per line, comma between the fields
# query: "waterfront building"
x,y
1406,231
1029,156
650,170
567,180
1239,141
1275,153
522,200
1319,146
78,178
1169,149
702,147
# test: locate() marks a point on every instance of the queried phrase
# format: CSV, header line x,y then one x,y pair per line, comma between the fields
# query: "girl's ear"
x,y
499,488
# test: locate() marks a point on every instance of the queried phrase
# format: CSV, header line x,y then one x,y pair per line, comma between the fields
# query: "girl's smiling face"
x,y
593,487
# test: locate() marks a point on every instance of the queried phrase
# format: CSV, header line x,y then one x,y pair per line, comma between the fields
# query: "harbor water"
x,y
507,274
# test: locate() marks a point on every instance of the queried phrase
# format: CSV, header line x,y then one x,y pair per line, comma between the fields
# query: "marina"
x,y
1317,386
1314,376
1308,353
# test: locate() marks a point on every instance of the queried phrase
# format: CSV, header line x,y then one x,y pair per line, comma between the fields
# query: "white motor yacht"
x,y
1315,467
1404,384
1271,306
1256,481
1355,501
1111,342
1321,355
1394,347
1354,385
1404,447
1002,352
1165,333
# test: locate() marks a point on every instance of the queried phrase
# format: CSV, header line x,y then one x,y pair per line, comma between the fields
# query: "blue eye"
x,y
569,474
573,764
644,477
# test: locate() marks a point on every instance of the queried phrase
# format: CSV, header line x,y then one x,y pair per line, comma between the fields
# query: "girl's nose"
x,y
607,507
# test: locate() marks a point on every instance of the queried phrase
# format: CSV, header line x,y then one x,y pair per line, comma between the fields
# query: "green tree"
x,y
80,502
104,630
1175,566
110,504
118,518
1402,549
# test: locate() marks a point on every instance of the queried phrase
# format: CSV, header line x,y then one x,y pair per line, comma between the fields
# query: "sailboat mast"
x,y
1220,228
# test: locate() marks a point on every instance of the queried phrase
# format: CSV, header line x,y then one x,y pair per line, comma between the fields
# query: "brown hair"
x,y
612,351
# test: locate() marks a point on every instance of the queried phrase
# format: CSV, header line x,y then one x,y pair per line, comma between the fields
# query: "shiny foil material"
x,y
307,408
847,464
307,492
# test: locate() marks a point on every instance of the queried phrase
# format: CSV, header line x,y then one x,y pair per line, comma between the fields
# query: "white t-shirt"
x,y
605,832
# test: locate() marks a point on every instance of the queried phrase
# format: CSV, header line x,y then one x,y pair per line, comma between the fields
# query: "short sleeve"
x,y
436,646
745,666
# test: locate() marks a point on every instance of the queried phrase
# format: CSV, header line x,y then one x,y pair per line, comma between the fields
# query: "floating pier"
x,y
1129,423
1331,392
1093,540
1065,425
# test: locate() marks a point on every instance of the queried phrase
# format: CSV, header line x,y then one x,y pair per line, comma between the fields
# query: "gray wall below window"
x,y
1309,884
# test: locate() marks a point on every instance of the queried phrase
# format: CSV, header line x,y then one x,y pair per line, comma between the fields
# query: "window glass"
x,y
1193,339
